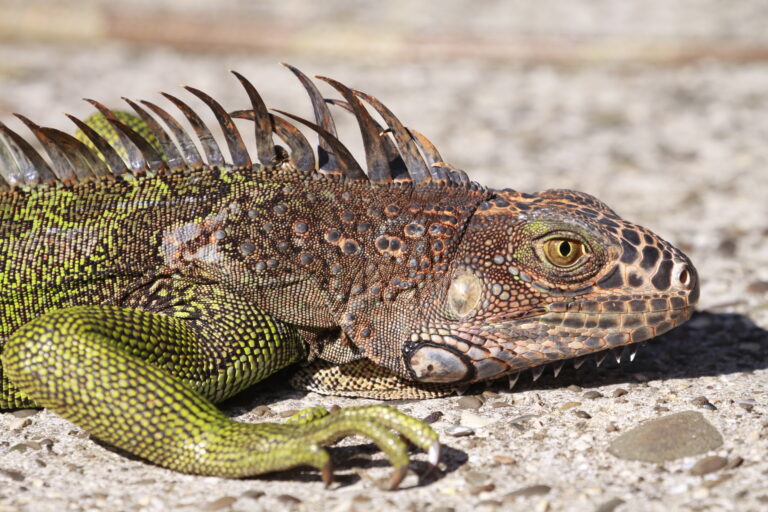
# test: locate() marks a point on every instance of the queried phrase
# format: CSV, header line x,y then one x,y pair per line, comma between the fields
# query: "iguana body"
x,y
134,299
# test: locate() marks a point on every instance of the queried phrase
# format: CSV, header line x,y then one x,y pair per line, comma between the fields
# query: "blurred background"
x,y
660,107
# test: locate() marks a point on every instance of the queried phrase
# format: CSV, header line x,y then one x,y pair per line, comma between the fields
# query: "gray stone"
x,y
709,465
525,492
670,437
469,402
459,431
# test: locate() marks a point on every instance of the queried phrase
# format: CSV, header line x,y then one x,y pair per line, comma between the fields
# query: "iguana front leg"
x,y
144,382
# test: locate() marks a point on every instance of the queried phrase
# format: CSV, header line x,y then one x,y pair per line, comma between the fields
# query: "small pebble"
x,y
619,392
758,287
472,420
593,394
574,388
709,465
504,459
728,246
525,492
569,405
433,417
25,413
476,477
521,419
747,404
582,414
469,402
253,494
704,403
459,431
262,410
287,499
20,447
610,505
16,476
288,413
223,502
477,489
19,423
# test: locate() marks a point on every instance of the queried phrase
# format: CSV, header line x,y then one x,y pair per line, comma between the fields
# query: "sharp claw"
x,y
536,372
578,362
433,455
397,477
633,352
557,367
599,358
326,474
513,379
617,353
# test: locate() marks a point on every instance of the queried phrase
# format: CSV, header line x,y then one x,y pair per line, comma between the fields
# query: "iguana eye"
x,y
563,252
464,294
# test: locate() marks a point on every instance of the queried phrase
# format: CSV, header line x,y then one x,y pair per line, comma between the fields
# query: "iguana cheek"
x,y
438,364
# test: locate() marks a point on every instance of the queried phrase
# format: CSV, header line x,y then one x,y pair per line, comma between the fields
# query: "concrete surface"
x,y
680,149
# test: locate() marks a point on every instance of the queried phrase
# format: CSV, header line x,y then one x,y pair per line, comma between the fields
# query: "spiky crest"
x,y
394,154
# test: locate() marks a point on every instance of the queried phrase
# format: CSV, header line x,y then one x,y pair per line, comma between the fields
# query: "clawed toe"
x,y
397,476
326,473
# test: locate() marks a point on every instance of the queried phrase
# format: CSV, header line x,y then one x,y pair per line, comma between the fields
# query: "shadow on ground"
x,y
709,344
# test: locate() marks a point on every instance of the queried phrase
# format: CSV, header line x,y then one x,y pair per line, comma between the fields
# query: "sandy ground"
x,y
682,150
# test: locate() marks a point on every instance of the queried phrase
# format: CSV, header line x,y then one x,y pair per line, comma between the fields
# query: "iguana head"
x,y
541,278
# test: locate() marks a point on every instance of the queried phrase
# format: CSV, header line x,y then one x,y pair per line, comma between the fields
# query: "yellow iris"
x,y
563,252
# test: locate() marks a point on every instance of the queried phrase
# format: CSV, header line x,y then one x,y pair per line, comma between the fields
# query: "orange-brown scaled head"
x,y
541,278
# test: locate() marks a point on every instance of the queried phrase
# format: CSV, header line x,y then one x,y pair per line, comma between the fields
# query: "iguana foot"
x,y
387,427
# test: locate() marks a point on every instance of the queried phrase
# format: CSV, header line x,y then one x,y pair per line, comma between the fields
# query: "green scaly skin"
x,y
145,380
132,302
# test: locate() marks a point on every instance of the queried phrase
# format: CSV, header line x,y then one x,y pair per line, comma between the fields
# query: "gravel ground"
x,y
681,150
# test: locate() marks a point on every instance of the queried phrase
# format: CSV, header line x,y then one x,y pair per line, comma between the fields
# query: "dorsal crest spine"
x,y
394,154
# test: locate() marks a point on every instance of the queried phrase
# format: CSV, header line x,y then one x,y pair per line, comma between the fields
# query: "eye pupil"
x,y
563,252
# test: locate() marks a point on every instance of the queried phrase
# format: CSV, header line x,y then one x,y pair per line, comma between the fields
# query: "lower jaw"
x,y
620,346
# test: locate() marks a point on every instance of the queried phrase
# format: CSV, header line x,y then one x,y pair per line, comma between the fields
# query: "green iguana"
x,y
139,290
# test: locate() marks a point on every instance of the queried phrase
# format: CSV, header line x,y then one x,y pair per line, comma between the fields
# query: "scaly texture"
x,y
144,280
